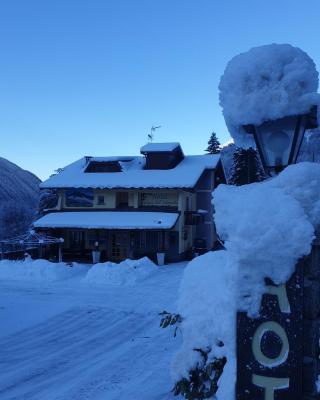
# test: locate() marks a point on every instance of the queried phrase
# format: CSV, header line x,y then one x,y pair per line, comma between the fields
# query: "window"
x,y
76,239
103,166
122,199
159,199
101,200
79,197
193,218
76,236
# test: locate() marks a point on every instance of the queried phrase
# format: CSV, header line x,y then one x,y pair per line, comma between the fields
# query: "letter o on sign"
x,y
274,327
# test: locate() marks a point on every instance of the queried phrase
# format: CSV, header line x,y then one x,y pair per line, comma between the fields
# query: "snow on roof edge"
x,y
159,147
185,175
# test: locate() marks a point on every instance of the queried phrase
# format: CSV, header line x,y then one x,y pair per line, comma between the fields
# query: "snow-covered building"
x,y
129,207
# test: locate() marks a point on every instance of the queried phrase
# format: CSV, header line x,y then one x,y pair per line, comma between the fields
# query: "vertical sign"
x,y
270,347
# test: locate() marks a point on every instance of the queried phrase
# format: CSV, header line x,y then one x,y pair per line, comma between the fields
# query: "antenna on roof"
x,y
152,131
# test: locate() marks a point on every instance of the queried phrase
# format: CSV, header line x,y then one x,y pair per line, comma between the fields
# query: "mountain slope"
x,y
19,198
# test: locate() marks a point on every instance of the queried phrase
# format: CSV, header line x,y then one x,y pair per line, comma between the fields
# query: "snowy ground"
x,y
68,339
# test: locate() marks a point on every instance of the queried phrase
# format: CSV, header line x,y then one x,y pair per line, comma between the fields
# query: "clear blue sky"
x,y
91,77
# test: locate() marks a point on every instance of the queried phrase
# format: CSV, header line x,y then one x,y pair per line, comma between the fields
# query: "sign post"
x,y
278,352
270,347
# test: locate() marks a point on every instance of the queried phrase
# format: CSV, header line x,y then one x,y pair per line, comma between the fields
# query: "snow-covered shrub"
x,y
127,272
266,228
265,83
202,382
207,306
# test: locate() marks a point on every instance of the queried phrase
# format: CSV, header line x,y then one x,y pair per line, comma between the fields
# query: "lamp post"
x,y
278,353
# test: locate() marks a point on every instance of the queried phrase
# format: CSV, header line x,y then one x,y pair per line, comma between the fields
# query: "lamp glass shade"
x,y
279,141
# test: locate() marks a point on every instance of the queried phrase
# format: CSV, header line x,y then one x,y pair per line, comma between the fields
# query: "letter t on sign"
x,y
270,385
281,292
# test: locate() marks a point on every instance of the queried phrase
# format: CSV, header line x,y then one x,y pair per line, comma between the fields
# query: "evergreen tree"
x,y
213,144
246,167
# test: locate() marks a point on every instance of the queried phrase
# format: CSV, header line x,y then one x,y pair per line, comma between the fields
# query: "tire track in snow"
x,y
47,363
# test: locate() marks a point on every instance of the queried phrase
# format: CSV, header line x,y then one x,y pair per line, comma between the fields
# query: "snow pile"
x,y
206,292
266,83
38,270
302,182
266,227
127,272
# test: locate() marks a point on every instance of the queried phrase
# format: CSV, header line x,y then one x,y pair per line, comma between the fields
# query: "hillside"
x,y
19,197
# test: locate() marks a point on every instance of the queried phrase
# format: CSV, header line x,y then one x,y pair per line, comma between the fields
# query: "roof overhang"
x,y
119,220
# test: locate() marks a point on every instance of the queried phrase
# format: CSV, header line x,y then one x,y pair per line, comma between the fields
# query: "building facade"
x,y
130,207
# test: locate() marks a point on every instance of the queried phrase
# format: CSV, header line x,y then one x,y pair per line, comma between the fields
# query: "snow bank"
x,y
206,292
38,270
266,230
266,227
302,182
265,83
127,272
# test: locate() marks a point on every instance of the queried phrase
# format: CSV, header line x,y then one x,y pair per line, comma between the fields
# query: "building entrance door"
x,y
119,242
76,240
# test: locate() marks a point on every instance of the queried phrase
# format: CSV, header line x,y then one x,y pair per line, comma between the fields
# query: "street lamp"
x,y
278,141
296,326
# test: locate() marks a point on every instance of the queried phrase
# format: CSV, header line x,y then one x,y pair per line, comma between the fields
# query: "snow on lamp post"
x,y
269,97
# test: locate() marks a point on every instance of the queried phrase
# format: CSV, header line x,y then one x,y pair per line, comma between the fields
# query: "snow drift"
x,y
267,227
266,83
38,270
127,272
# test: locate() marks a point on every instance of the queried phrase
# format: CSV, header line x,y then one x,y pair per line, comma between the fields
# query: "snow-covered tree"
x,y
227,153
48,199
214,145
19,198
15,219
246,167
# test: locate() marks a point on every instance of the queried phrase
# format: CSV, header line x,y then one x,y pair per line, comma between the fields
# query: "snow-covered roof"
x,y
133,174
108,220
159,147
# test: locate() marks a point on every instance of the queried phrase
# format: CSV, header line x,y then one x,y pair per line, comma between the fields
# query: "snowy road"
x,y
74,341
